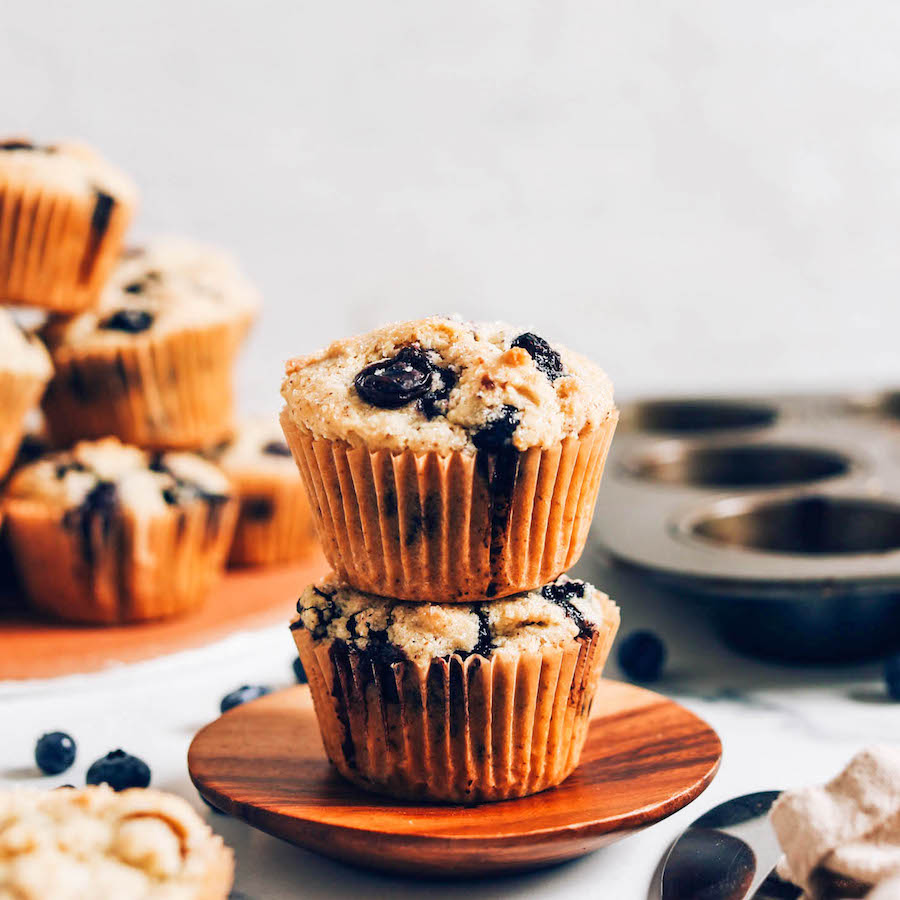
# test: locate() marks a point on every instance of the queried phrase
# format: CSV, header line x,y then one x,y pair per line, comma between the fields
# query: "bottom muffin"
x,y
106,533
95,844
459,703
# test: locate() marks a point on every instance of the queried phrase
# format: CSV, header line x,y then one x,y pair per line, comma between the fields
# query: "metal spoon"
x,y
729,853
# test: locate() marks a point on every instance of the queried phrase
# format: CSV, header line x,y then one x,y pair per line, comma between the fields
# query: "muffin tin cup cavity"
x,y
699,416
737,466
807,525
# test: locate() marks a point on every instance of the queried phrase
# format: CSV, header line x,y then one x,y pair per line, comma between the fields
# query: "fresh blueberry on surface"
x,y
120,770
546,359
54,752
299,671
892,676
642,656
243,695
394,382
131,320
498,431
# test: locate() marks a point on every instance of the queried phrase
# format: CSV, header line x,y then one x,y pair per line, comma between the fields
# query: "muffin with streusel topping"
x,y
24,370
450,460
63,215
152,362
95,844
275,522
107,533
454,702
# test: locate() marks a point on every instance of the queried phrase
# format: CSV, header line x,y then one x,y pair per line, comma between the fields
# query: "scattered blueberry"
x,y
277,448
394,382
437,400
642,656
299,671
498,431
892,676
243,695
119,770
54,752
546,359
130,320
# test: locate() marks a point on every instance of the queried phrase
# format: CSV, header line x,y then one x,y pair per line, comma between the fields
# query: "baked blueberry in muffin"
x,y
455,702
490,433
110,533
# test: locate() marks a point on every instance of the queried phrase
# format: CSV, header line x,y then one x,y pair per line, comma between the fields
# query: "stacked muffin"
x,y
120,518
452,468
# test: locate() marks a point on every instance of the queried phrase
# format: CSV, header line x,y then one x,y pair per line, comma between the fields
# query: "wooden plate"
x,y
645,758
31,647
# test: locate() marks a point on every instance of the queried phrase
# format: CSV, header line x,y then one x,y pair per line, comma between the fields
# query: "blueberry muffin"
x,y
842,839
95,844
63,215
108,533
152,362
24,370
274,523
449,460
454,702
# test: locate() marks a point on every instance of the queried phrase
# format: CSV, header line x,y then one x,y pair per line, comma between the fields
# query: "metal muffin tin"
x,y
782,513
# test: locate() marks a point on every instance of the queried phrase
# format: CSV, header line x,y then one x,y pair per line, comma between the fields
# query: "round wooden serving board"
x,y
646,757
32,647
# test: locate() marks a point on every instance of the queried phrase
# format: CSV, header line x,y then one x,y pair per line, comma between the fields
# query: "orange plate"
x,y
245,598
646,757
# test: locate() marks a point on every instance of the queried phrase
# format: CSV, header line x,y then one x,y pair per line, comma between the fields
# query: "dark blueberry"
x,y
434,403
498,431
54,752
892,676
243,695
277,448
485,643
562,595
120,770
99,505
17,145
545,357
392,383
300,672
131,320
642,656
136,287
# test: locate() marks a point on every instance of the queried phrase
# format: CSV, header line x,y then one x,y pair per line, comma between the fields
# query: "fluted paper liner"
x,y
18,394
163,393
451,528
459,730
127,570
285,533
57,248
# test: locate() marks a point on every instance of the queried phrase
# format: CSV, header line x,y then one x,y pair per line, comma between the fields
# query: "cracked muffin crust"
x,y
452,702
107,532
24,370
447,459
63,215
275,522
95,844
442,385
152,363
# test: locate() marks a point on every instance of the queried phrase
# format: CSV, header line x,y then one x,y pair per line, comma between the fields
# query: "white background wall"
x,y
700,195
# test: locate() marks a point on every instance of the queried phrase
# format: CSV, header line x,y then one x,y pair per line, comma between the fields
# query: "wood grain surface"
x,y
32,647
645,758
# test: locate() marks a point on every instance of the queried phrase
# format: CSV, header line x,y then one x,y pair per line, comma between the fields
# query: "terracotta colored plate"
x,y
246,598
645,758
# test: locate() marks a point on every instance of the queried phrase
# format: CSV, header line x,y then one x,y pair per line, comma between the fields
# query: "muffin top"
x,y
93,842
445,385
20,351
555,615
71,167
258,446
108,475
170,285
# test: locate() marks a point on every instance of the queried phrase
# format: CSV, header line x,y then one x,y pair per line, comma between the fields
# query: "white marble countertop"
x,y
780,727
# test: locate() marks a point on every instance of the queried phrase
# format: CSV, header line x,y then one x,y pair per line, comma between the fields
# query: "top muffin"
x,y
440,384
172,284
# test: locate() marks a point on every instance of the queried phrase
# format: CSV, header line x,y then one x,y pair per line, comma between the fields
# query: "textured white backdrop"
x,y
700,195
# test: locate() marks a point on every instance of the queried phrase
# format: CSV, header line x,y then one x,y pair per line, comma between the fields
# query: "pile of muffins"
x,y
140,485
452,468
